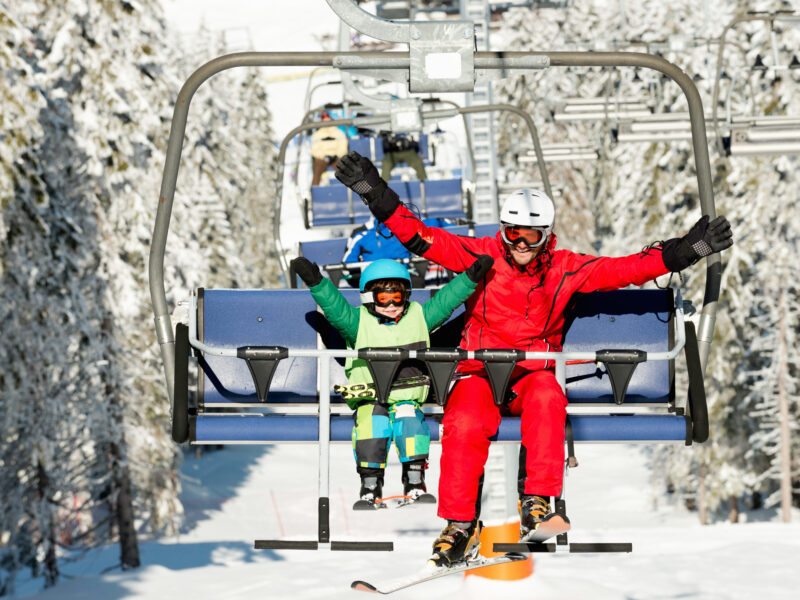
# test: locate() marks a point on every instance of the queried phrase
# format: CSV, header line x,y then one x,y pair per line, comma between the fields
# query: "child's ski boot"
x,y
371,491
414,482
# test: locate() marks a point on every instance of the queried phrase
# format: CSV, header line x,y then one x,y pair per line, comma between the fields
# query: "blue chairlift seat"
x,y
335,204
372,147
324,252
234,318
643,320
640,319
368,146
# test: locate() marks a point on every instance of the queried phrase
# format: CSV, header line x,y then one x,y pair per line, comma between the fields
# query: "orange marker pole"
x,y
506,532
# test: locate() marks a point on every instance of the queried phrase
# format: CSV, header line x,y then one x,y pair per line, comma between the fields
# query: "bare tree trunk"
x,y
733,510
783,405
128,543
129,546
702,509
48,528
122,495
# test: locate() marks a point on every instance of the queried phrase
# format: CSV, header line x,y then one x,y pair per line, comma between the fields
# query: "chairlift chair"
x,y
264,384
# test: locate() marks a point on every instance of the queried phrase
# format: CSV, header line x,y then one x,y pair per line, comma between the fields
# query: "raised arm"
x,y
453,252
336,308
673,255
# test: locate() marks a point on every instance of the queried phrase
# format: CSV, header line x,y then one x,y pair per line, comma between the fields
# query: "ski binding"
x,y
394,502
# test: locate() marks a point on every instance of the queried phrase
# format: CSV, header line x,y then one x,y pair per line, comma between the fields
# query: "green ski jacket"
x,y
348,321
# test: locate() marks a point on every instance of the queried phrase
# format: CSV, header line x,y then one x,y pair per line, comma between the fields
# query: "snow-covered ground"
x,y
243,493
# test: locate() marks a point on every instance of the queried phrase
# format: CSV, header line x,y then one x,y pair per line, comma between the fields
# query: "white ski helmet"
x,y
529,208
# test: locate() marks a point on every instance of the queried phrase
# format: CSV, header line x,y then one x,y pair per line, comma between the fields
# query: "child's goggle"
x,y
532,236
389,296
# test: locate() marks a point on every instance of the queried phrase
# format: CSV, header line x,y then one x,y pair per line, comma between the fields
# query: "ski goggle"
x,y
531,236
389,296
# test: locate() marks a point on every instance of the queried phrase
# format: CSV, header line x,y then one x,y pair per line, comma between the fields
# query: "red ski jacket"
x,y
521,308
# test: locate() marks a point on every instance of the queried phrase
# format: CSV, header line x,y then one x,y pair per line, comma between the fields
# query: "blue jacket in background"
x,y
372,242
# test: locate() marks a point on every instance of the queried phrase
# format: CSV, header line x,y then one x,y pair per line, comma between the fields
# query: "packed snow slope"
x,y
242,493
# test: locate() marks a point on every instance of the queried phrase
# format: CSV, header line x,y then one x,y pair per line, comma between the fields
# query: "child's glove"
x,y
309,272
360,175
703,239
477,270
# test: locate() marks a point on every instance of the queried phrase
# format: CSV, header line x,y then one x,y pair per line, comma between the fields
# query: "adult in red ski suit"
x,y
519,305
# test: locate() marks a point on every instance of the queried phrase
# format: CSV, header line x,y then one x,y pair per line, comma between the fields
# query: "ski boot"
x,y
458,542
414,482
537,521
371,491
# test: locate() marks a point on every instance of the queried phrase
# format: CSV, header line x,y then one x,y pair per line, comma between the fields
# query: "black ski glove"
x,y
703,239
477,270
360,175
308,271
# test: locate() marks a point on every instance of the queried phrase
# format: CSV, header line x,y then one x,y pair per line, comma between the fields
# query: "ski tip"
x,y
363,586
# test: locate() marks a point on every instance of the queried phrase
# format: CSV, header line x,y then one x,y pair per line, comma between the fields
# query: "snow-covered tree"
x,y
88,90
647,191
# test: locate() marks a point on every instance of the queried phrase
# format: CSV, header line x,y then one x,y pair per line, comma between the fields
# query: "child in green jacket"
x,y
387,319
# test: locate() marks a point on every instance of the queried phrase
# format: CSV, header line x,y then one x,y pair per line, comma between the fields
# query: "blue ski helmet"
x,y
384,268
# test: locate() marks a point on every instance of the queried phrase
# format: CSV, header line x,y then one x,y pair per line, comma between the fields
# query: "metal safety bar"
x,y
442,355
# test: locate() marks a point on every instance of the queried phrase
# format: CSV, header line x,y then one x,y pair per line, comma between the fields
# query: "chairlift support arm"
x,y
769,17
504,61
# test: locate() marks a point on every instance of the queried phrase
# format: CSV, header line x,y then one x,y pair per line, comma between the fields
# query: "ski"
x,y
367,505
394,502
430,572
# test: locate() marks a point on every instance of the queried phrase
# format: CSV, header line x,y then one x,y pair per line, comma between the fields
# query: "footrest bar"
x,y
369,546
285,545
573,547
523,547
312,545
601,547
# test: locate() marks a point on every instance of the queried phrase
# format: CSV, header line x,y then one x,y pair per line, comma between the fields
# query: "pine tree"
x,y
88,90
647,191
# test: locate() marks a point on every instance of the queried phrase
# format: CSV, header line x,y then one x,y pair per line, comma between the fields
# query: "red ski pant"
x,y
471,418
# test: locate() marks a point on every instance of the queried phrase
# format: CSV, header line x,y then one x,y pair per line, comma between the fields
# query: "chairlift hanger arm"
x,y
753,16
360,20
496,60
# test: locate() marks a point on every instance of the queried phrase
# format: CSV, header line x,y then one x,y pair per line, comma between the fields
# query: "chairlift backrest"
x,y
641,319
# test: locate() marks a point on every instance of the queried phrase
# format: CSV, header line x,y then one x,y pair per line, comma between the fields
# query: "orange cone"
x,y
506,532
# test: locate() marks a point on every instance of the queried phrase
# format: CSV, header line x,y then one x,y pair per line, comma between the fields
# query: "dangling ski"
x,y
394,502
431,572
